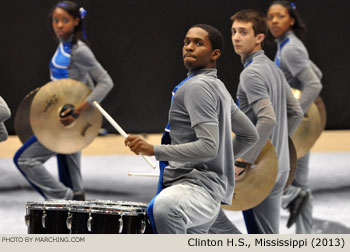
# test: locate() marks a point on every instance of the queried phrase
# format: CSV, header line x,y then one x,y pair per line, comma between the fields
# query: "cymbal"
x,y
22,125
293,162
322,109
45,110
255,184
308,131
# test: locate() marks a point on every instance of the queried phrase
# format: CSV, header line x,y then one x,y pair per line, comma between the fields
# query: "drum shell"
x,y
64,217
105,219
107,224
55,221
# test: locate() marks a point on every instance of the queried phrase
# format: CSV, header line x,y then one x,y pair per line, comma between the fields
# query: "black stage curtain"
x,y
139,43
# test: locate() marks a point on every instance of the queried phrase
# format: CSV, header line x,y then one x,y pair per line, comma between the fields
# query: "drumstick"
x,y
120,130
143,174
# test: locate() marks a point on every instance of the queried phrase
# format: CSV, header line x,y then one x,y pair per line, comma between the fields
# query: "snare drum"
x,y
47,217
118,203
109,218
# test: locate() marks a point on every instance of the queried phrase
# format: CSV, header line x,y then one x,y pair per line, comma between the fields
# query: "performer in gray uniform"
x,y
199,176
292,57
5,114
73,59
266,98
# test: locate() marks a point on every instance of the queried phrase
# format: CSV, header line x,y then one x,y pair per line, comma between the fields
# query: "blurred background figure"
x,y
73,59
287,28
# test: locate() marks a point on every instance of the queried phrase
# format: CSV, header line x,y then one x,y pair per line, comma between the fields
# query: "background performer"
x,y
292,57
73,59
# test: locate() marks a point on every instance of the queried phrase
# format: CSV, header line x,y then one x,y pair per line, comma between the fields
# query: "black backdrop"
x,y
139,43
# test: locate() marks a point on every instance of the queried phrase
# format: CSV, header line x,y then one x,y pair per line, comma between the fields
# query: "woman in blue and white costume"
x,y
73,59
292,57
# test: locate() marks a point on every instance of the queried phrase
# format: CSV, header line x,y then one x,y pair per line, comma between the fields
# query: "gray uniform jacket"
x,y
277,115
202,117
5,114
301,73
85,68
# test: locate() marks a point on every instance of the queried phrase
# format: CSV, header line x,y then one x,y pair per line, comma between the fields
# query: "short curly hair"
x,y
214,35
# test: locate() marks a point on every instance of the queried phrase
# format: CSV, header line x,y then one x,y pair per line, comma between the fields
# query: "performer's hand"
x,y
238,171
65,118
69,115
139,146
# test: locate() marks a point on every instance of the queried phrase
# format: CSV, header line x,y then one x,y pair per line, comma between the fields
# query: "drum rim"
x,y
127,208
108,209
119,202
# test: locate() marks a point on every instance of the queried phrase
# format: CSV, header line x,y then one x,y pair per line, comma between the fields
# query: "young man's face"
x,y
243,38
197,51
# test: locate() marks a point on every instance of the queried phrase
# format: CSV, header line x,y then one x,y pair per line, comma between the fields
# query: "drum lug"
x,y
143,226
69,221
89,223
43,219
27,219
121,224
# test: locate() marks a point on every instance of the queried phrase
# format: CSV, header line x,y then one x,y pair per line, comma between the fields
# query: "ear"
x,y
292,21
215,55
76,21
260,38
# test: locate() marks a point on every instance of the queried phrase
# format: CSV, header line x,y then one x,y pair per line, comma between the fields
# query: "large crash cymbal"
x,y
44,114
255,184
323,113
309,129
292,161
22,125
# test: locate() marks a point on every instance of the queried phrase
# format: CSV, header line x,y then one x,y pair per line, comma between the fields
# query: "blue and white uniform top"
x,y
60,61
77,62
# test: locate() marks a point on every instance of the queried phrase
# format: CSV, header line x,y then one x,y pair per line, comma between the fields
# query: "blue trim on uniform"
x,y
238,102
166,139
250,223
60,61
63,173
278,55
28,143
176,88
250,61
